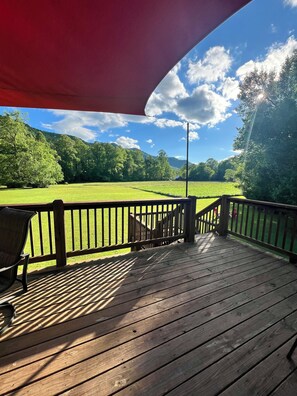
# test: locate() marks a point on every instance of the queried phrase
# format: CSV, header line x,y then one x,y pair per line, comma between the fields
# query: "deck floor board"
x,y
213,317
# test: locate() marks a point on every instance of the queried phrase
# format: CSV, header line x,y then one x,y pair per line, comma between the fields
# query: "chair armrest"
x,y
22,257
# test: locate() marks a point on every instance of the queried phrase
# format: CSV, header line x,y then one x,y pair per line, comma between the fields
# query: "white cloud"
x,y
230,88
213,67
179,156
290,3
192,136
165,95
204,107
236,152
171,86
275,57
150,142
87,125
273,28
127,142
165,123
47,126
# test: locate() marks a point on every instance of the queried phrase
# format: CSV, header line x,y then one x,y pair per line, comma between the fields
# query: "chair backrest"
x,y
14,226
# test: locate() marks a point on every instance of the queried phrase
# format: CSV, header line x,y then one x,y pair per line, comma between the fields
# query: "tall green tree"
x,y
268,136
164,171
25,160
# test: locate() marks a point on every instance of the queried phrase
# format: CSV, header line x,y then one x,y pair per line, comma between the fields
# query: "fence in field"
x,y
267,224
62,230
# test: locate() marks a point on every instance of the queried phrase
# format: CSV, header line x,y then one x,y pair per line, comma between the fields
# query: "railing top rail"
x,y
119,204
209,207
263,203
98,204
41,207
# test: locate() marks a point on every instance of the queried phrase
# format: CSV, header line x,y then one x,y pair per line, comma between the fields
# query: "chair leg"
x,y
24,274
10,307
291,351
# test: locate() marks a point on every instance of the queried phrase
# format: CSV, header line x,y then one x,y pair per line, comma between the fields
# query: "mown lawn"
x,y
113,192
116,191
198,189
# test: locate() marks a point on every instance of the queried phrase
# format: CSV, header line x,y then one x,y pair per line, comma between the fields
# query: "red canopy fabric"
x,y
97,55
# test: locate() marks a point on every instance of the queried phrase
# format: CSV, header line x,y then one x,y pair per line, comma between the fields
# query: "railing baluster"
x,y
246,219
40,233
88,228
31,240
152,227
116,225
95,227
80,229
50,231
270,227
232,216
293,232
123,216
146,224
167,221
109,226
102,226
235,214
285,231
134,226
258,222
277,228
72,229
172,220
252,222
264,226
140,223
242,217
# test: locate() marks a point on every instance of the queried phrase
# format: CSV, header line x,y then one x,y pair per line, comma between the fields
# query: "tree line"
x,y
213,170
30,158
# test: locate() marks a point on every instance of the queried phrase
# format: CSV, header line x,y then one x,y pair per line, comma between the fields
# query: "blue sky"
x,y
201,89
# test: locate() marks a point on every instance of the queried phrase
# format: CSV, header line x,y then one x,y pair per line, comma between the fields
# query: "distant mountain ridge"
x,y
50,136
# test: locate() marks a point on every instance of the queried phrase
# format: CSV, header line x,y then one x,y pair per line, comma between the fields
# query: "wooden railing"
x,y
166,223
62,230
207,219
270,225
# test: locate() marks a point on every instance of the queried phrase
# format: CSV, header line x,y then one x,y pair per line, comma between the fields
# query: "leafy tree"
x,y
164,171
25,160
151,168
269,134
201,172
69,159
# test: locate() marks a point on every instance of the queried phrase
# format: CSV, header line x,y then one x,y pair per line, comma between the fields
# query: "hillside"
x,y
52,136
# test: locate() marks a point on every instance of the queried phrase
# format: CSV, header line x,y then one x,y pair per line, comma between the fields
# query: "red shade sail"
x,y
98,55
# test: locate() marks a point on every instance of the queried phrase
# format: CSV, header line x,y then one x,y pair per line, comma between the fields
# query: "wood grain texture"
x,y
205,318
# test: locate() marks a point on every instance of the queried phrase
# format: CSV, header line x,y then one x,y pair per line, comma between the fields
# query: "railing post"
x,y
59,225
189,221
224,216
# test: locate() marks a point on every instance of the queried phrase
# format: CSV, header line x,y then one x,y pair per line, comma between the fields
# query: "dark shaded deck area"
x,y
214,317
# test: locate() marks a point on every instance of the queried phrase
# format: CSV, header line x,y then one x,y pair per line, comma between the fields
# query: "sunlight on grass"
x,y
89,192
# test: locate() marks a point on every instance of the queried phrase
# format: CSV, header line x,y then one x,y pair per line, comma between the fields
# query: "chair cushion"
x,y
7,259
14,225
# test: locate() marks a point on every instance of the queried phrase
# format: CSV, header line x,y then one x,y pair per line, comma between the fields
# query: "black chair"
x,y
14,226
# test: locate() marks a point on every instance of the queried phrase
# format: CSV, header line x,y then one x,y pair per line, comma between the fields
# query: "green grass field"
x,y
113,192
198,189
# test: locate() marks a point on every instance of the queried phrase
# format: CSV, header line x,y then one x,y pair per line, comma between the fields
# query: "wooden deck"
x,y
214,317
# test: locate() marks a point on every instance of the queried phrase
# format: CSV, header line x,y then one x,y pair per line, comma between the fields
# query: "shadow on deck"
x,y
211,317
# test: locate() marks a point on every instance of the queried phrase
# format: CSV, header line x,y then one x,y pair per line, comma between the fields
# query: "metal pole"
x,y
187,161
